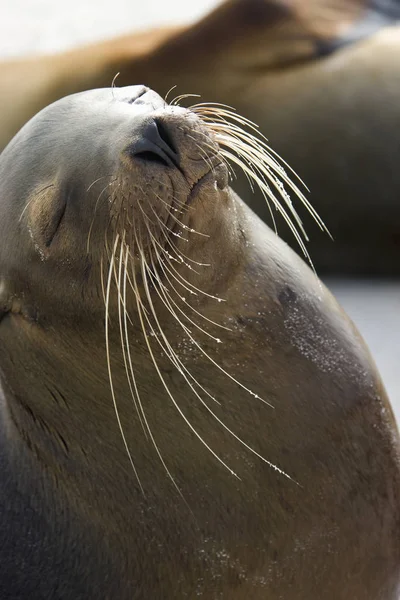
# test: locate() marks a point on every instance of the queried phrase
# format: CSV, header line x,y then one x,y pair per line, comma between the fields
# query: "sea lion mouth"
x,y
217,175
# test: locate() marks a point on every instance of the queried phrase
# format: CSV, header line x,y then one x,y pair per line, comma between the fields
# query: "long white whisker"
x,y
123,327
110,274
161,263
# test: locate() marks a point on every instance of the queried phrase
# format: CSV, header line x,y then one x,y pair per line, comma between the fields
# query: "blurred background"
x,y
46,26
28,26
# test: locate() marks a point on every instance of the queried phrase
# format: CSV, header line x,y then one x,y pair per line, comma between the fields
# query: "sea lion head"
x,y
102,173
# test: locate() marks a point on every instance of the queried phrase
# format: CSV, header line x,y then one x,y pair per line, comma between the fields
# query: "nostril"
x,y
152,157
165,135
142,92
154,144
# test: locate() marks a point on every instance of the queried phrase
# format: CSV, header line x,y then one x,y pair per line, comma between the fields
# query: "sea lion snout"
x,y
173,137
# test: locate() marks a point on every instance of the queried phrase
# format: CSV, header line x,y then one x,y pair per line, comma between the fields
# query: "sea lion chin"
x,y
185,409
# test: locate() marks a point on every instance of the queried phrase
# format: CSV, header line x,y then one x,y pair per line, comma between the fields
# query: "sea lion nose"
x,y
154,144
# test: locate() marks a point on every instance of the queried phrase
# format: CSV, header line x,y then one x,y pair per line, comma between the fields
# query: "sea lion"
x,y
314,75
185,409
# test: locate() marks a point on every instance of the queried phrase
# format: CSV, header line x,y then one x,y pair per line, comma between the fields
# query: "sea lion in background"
x,y
321,78
185,409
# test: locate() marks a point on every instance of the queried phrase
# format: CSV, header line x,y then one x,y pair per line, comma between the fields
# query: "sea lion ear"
x,y
45,209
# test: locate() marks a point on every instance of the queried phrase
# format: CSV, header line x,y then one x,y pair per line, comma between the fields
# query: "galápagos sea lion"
x,y
185,409
321,78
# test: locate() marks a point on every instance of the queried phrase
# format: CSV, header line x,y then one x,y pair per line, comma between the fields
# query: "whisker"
x,y
156,280
185,227
178,99
242,144
169,91
113,84
95,208
182,298
110,377
142,314
123,327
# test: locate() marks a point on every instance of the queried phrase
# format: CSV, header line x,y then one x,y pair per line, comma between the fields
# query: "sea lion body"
x,y
225,497
321,79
